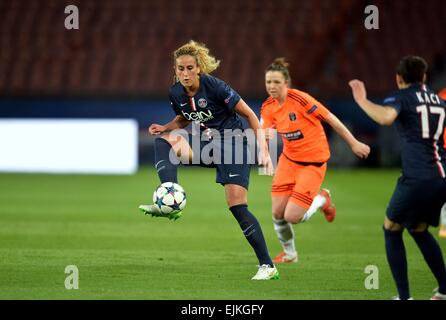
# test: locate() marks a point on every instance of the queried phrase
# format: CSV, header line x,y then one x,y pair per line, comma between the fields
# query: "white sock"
x,y
289,247
285,233
317,203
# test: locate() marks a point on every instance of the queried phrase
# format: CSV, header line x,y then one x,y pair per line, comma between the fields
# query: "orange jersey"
x,y
298,121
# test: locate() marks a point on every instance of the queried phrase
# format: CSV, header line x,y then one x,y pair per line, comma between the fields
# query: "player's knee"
x,y
419,228
278,211
391,233
278,215
293,217
235,200
389,225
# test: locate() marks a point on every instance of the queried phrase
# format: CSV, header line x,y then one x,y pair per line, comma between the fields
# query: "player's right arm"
x,y
267,122
384,115
178,122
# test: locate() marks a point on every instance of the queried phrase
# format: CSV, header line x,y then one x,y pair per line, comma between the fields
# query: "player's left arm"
x,y
245,111
360,149
384,115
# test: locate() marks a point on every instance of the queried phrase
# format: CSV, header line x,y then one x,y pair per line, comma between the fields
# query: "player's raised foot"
x,y
174,215
442,231
154,211
266,272
438,295
285,258
151,209
328,208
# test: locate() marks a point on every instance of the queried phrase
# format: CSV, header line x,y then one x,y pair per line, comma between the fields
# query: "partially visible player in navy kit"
x,y
196,96
419,115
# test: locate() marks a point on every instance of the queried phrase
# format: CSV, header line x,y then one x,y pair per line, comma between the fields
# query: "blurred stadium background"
x,y
119,63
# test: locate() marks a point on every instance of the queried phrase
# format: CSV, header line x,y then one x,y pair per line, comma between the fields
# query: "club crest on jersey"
x,y
202,103
292,116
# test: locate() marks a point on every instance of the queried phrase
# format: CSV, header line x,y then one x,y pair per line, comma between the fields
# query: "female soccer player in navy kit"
x,y
198,97
419,115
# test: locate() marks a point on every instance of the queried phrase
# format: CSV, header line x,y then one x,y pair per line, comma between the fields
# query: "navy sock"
x,y
396,257
252,231
167,171
432,254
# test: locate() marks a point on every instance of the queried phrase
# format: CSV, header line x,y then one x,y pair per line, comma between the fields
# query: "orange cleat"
x,y
328,208
285,258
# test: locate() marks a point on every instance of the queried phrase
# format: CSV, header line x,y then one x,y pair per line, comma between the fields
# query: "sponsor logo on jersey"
x,y
291,136
201,116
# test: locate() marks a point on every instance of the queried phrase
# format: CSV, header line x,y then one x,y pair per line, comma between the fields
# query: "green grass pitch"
x,y
48,222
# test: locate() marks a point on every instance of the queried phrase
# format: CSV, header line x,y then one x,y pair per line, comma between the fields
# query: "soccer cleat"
x,y
438,295
285,258
266,272
442,231
328,208
398,298
154,211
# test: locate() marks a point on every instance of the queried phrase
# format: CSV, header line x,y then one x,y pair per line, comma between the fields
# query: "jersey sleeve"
x,y
228,95
314,110
174,105
393,101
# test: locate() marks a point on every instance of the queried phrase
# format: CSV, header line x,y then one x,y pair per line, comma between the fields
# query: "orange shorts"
x,y
300,182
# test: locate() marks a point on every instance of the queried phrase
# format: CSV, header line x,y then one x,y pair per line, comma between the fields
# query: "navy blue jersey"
x,y
212,106
420,123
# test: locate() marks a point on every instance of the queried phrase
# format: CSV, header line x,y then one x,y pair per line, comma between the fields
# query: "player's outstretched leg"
x,y
167,172
253,233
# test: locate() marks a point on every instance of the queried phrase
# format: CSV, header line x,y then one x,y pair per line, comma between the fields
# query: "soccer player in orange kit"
x,y
297,117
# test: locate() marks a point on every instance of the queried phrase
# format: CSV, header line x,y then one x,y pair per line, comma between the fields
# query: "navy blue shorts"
x,y
415,201
230,157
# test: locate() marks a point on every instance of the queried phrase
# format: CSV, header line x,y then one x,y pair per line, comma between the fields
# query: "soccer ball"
x,y
169,197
